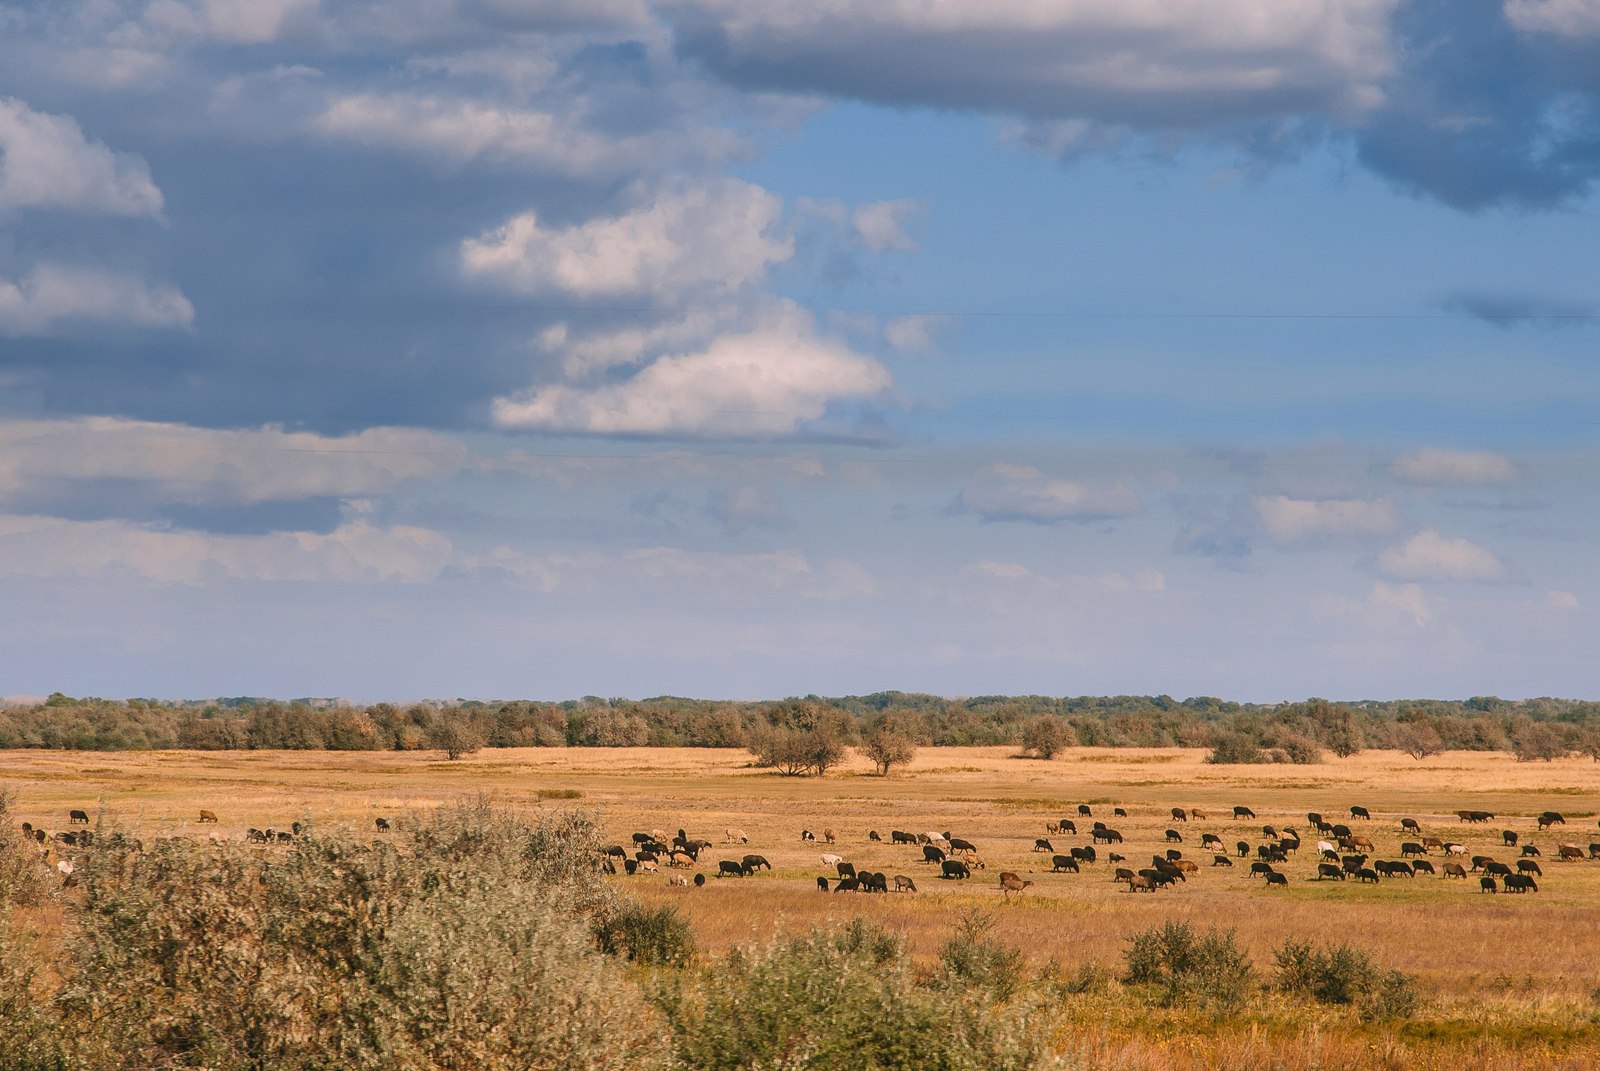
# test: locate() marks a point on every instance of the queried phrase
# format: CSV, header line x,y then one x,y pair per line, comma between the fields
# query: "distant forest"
x,y
1239,732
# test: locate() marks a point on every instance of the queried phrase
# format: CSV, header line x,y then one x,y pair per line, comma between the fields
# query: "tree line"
x,y
798,735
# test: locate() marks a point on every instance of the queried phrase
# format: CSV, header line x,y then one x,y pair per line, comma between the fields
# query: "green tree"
x,y
1418,739
454,736
1047,735
885,749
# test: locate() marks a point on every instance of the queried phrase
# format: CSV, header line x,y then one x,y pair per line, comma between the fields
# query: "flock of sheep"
x,y
1341,853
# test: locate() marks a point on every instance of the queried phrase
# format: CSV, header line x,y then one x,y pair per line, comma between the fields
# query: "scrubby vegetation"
x,y
804,735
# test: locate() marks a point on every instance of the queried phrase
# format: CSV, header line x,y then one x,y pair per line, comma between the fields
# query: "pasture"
x,y
1491,966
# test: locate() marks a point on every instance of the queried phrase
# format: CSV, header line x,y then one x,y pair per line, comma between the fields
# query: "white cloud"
x,y
353,553
1292,520
881,225
463,130
1001,570
706,572
1431,556
52,293
914,334
1387,607
1023,493
46,161
205,464
715,238
1405,599
1569,18
1561,600
765,383
232,22
1434,465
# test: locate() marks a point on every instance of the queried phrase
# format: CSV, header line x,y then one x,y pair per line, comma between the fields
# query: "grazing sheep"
x,y
208,816
822,883
1010,883
736,835
902,883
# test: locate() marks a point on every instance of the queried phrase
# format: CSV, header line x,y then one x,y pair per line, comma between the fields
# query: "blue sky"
x,y
549,348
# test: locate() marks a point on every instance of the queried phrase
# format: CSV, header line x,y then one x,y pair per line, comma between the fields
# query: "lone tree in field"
x,y
1418,739
454,737
1046,735
885,748
793,752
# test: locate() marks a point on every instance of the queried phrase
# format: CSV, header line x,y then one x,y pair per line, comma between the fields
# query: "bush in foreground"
x,y
1342,974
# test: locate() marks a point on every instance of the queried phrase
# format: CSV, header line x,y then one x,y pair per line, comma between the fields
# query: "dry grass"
x,y
1484,962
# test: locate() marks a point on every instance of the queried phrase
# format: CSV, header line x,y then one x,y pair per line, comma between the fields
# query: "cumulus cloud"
x,y
714,238
914,334
51,294
1023,493
353,553
46,161
231,22
1386,607
1568,18
1436,465
765,383
881,225
1428,555
1293,520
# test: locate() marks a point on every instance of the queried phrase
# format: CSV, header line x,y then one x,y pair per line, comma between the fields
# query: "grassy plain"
x,y
1503,974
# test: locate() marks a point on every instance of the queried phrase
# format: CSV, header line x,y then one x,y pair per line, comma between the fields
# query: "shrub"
x,y
26,879
469,945
1231,748
1184,966
1046,735
1344,975
973,959
648,935
822,1002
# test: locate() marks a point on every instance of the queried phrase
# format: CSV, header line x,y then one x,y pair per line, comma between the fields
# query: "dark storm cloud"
x,y
1447,99
1518,310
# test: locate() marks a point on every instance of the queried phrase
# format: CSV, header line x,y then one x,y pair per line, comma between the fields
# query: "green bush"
x,y
1230,748
467,945
26,878
821,1002
1184,966
649,935
1345,975
973,959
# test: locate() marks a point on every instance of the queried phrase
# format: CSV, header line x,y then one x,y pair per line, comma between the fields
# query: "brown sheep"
x,y
1139,883
903,883
1010,883
208,816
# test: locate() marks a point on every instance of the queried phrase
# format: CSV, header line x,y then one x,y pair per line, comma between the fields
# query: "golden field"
x,y
1483,961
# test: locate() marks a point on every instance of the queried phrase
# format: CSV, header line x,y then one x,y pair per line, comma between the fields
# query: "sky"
x,y
549,348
